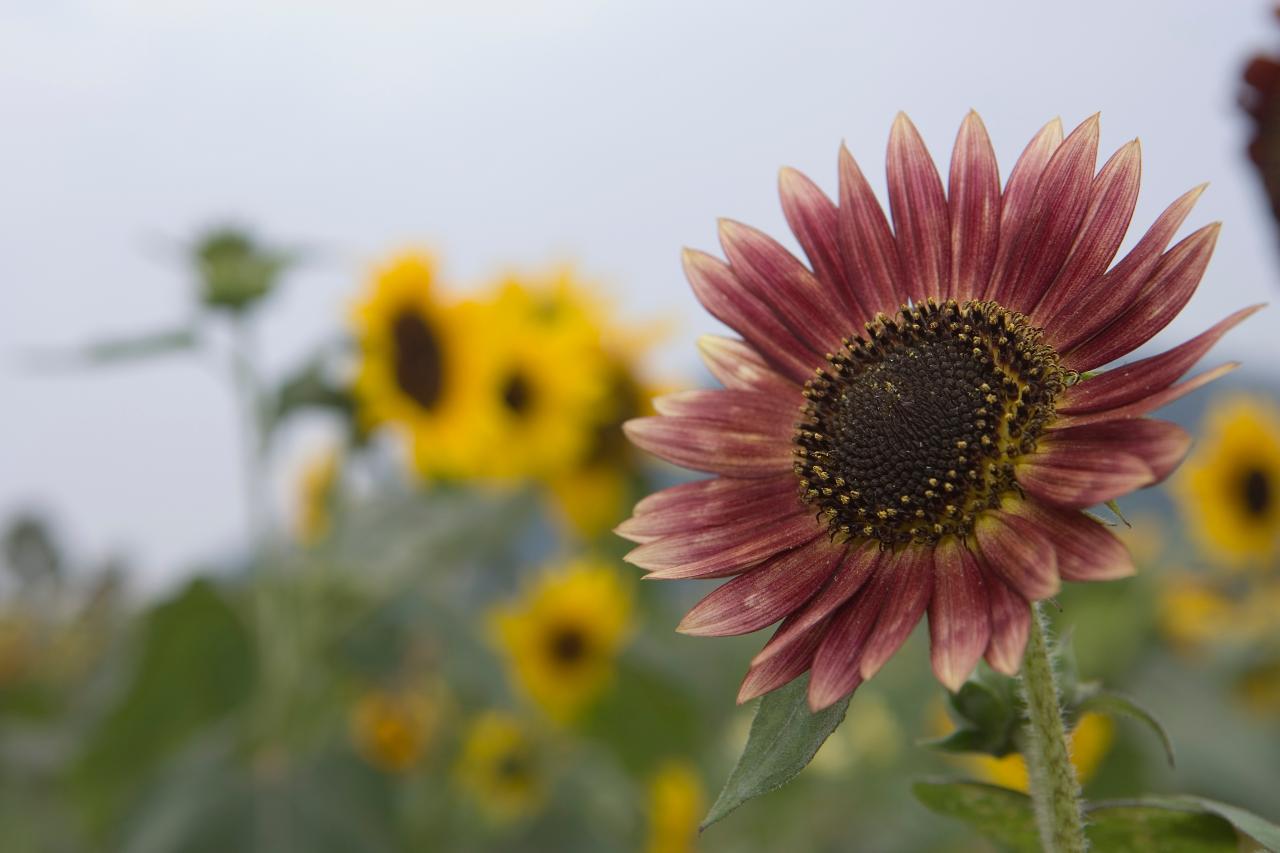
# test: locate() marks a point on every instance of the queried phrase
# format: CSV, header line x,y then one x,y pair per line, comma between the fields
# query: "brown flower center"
x,y
1255,488
418,363
567,646
517,396
912,429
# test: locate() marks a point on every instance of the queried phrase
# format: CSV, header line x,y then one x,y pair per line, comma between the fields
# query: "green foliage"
x,y
997,813
784,737
195,666
1115,704
235,269
990,714
30,552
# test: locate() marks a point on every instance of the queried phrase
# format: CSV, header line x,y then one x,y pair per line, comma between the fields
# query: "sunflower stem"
x,y
1054,788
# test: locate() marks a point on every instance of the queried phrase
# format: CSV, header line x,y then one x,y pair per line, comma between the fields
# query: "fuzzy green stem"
x,y
1054,788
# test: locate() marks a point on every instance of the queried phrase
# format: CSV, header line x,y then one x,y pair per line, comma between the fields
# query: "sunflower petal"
x,y
1020,189
920,219
1112,198
1151,402
764,595
1010,627
740,367
871,255
762,410
912,573
1139,379
1172,283
974,204
709,503
720,292
1086,550
788,664
1160,445
815,221
1048,227
1019,553
835,663
785,286
712,447
858,565
1082,476
720,552
959,615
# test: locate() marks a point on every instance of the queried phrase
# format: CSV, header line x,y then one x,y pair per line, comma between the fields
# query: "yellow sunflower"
x,y
420,357
562,637
676,805
1090,741
393,730
1229,489
501,767
316,489
547,384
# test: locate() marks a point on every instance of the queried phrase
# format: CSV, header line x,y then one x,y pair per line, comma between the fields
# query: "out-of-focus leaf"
x,y
644,717
195,665
132,348
1258,829
997,813
784,737
1139,827
1109,702
311,387
29,550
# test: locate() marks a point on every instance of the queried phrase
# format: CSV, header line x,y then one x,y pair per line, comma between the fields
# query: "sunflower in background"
x,y
393,730
316,491
501,767
676,806
1229,489
544,391
561,639
420,358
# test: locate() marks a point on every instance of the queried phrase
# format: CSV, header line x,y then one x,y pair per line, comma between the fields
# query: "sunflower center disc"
x,y
418,364
912,429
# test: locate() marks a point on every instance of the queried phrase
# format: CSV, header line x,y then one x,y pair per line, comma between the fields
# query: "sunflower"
x,y
420,361
911,422
676,805
392,730
316,496
542,394
501,767
562,638
1229,491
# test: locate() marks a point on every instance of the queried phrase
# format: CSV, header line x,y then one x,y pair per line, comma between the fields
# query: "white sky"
x,y
503,134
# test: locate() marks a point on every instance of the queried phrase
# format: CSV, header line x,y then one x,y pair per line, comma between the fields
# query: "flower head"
x,y
1229,490
392,731
676,805
562,638
419,359
909,422
501,767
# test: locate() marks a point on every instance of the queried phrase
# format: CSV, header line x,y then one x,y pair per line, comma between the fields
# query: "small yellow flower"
x,y
562,638
392,731
1193,614
316,489
1229,489
1090,742
422,362
676,806
501,768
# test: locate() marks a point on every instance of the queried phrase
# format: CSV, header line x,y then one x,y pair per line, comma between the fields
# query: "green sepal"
x,y
1113,704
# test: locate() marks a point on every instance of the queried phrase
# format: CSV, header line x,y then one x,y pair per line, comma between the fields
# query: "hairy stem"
x,y
1054,788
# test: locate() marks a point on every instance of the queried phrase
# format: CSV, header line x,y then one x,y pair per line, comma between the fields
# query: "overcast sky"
x,y
503,134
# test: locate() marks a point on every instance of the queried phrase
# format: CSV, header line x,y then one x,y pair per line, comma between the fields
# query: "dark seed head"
x,y
913,429
567,645
1256,490
516,393
418,364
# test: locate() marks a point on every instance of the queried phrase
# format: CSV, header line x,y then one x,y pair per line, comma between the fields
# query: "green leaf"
x,y
1112,703
312,387
195,666
1140,826
235,269
784,737
1262,831
997,813
115,350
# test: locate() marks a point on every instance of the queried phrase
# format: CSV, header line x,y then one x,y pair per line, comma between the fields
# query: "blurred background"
x,y
273,583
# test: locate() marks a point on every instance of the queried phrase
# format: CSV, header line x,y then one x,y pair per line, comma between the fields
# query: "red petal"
x,y
723,551
815,221
1018,193
1150,403
1159,444
1086,549
870,253
1019,553
778,669
1083,477
713,447
1010,627
912,574
974,204
766,594
959,615
919,213
709,503
737,365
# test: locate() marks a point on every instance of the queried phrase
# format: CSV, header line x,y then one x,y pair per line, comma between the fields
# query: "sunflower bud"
x,y
235,271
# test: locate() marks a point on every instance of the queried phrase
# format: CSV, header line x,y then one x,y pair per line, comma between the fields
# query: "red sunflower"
x,y
910,423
